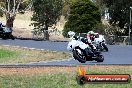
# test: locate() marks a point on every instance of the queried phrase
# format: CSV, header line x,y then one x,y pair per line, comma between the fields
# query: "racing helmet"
x,y
91,32
71,33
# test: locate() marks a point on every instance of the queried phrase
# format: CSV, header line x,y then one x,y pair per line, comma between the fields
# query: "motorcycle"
x,y
80,50
6,33
100,44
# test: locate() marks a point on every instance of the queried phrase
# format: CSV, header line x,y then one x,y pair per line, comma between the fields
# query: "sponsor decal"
x,y
83,78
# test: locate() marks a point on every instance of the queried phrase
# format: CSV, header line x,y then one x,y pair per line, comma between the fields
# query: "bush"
x,y
84,16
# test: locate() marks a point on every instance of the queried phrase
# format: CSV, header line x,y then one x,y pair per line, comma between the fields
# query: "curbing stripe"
x,y
40,39
34,66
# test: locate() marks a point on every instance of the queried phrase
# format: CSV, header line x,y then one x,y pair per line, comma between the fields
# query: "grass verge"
x,y
57,77
13,55
4,53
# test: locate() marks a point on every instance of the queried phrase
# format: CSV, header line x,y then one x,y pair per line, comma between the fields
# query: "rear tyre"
x,y
100,58
12,37
80,57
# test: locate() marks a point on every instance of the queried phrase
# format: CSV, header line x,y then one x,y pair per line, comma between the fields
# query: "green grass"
x,y
59,80
37,81
7,54
50,81
12,55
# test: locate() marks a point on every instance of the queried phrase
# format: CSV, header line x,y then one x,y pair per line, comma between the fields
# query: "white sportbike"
x,y
80,51
100,43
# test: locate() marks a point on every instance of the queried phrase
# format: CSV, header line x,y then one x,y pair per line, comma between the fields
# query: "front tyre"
x,y
105,47
79,56
4,37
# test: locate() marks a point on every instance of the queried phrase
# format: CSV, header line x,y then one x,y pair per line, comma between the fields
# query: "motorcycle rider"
x,y
91,35
1,25
99,38
89,51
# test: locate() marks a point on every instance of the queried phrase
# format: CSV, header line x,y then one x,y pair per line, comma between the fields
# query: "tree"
x,y
119,11
66,8
101,5
45,14
10,9
84,16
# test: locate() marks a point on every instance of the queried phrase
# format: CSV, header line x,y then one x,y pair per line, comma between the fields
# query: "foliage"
x,y
1,4
101,6
10,8
1,13
66,8
100,28
84,16
119,11
46,13
24,6
21,8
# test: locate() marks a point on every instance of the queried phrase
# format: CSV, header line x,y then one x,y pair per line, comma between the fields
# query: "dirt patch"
x,y
55,70
23,33
22,27
36,70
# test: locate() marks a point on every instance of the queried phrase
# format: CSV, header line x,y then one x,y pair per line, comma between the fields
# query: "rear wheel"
x,y
12,37
79,56
100,58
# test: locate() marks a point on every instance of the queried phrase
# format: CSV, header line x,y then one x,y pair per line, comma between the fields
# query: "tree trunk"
x,y
9,20
46,34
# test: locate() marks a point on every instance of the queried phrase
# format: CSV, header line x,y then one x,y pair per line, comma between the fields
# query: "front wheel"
x,y
4,37
79,56
105,47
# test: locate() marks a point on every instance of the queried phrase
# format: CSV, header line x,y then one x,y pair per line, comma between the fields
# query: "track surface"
x,y
48,45
118,54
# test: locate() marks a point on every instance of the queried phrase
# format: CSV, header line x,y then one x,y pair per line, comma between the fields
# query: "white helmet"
x,y
71,33
90,32
96,33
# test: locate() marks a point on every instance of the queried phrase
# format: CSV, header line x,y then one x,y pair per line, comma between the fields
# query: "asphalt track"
x,y
117,55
